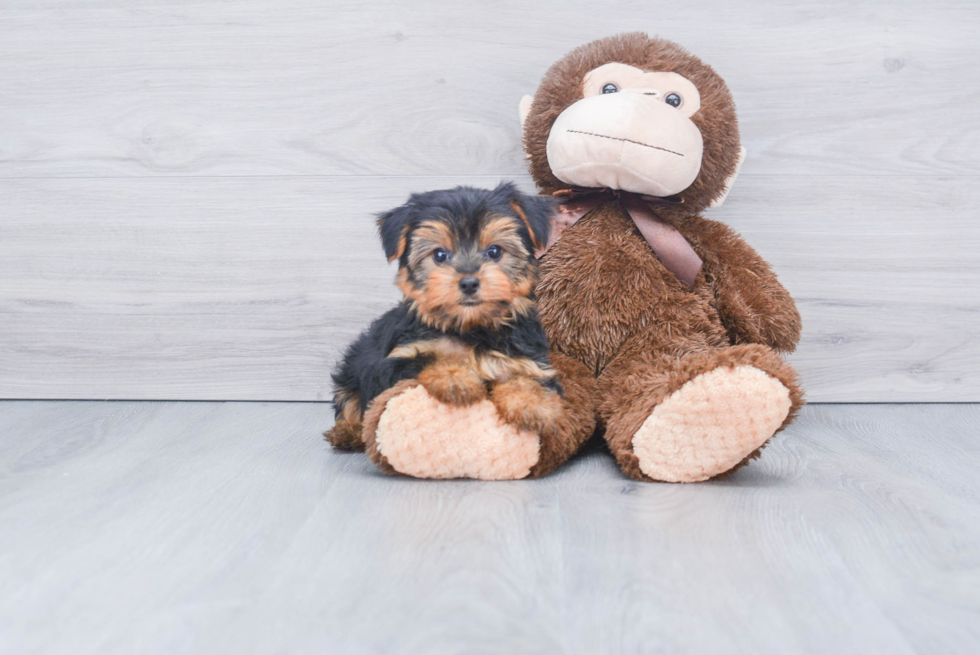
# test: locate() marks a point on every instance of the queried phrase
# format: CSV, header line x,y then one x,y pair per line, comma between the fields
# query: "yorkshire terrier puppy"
x,y
467,327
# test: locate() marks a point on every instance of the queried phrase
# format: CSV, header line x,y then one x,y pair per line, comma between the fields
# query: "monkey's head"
x,y
637,114
465,255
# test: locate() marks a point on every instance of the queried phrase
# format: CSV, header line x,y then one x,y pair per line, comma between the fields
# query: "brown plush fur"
x,y
579,421
640,379
625,333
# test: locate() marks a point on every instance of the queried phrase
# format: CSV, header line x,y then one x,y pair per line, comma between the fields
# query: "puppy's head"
x,y
465,255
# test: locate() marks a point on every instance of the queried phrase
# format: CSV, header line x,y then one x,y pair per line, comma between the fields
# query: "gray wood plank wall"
x,y
187,189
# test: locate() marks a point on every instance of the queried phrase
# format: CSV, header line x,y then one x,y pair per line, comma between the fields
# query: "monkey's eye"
x,y
610,88
494,252
673,99
440,255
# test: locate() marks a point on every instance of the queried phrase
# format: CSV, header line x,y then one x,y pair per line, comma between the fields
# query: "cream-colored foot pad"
x,y
421,437
710,424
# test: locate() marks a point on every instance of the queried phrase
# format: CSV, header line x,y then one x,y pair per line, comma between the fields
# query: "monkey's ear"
x,y
536,212
393,228
524,109
717,202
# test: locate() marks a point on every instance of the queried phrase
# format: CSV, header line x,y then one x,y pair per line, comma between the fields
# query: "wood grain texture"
x,y
249,289
307,87
186,187
231,527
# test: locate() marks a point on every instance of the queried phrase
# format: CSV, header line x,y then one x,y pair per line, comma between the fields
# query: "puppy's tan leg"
x,y
453,382
345,435
523,402
346,432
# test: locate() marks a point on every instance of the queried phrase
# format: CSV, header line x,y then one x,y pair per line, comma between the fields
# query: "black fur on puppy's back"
x,y
365,365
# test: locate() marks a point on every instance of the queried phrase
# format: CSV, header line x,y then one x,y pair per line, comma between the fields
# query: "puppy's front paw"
x,y
523,402
453,383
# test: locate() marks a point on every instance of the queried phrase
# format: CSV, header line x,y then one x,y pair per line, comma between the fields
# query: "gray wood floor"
x,y
187,188
231,528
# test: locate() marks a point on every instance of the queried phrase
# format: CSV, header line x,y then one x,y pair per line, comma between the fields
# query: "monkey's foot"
x,y
408,431
711,424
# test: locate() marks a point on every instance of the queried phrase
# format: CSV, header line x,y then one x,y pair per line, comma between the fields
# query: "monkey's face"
x,y
468,271
631,130
637,114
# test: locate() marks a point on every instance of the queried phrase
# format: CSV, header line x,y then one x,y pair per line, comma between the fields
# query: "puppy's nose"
x,y
469,284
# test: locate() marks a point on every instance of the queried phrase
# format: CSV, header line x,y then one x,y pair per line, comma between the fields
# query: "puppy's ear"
x,y
393,228
536,212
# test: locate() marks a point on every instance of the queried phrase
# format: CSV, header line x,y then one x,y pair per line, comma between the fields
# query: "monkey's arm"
x,y
752,304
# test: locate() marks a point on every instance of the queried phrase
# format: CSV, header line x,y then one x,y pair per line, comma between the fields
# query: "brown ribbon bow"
x,y
669,245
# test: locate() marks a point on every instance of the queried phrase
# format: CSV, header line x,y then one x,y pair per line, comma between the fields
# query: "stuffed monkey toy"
x,y
670,320
665,328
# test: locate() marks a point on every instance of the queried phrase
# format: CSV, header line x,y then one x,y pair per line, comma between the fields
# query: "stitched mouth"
x,y
645,145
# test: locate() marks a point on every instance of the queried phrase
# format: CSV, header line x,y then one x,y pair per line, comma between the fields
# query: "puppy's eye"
x,y
494,252
440,255
610,88
673,99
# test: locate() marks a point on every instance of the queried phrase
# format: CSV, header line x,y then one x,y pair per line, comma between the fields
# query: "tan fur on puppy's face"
x,y
505,284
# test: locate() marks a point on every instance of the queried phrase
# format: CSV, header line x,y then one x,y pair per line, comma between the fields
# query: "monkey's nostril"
x,y
469,284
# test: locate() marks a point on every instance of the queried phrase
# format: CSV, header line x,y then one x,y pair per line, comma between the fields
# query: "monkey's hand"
x,y
756,308
529,405
752,304
453,382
